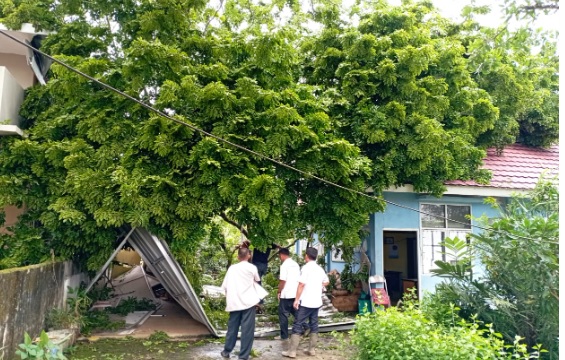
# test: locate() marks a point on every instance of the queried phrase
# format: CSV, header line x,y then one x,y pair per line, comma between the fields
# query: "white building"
x,y
20,68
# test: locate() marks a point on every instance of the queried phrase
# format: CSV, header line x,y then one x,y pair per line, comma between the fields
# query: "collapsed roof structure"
x,y
157,257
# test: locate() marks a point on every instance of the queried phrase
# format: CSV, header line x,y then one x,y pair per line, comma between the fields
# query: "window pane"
x,y
460,214
430,221
431,249
461,234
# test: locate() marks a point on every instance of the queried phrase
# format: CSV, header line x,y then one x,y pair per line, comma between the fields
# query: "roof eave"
x,y
466,190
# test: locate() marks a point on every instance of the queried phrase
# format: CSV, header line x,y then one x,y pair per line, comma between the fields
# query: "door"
x,y
412,255
400,261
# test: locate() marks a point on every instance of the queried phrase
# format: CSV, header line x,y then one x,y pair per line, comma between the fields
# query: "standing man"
x,y
308,301
261,260
288,284
241,298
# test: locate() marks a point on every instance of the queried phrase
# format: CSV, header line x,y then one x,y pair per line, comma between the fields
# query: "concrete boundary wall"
x,y
27,294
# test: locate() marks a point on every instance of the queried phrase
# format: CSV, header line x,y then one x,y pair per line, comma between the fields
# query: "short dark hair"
x,y
312,253
284,251
242,253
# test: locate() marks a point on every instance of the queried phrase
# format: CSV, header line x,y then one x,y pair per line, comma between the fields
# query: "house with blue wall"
x,y
406,239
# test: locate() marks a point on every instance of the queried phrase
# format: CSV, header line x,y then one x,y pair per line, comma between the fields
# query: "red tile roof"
x,y
518,167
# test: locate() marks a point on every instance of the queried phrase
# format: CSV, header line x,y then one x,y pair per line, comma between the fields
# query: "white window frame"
x,y
429,256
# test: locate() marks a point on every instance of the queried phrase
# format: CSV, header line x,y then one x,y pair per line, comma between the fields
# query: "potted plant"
x,y
344,295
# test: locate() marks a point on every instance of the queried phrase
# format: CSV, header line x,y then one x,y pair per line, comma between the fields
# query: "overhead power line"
x,y
277,162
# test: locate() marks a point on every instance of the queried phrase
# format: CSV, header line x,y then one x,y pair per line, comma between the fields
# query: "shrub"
x,y
58,319
395,334
440,308
348,279
270,281
272,302
517,288
44,349
215,303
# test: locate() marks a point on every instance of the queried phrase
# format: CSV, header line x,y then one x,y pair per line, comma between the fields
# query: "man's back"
x,y
290,273
313,277
239,286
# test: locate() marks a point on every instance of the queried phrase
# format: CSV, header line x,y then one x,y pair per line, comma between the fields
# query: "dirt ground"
x,y
329,348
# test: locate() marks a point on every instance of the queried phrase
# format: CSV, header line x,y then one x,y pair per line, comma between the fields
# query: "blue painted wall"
x,y
401,218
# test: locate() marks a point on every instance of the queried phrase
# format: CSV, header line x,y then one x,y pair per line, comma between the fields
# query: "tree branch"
x,y
213,17
288,247
234,223
541,7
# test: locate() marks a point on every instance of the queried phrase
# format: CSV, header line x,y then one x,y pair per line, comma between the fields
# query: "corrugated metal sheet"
x,y
156,254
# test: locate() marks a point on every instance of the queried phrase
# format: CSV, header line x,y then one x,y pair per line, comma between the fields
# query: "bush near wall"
x,y
408,334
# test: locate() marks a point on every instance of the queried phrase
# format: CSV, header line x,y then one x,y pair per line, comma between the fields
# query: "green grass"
x,y
130,349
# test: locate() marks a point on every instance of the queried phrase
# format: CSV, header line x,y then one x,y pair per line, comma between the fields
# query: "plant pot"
x,y
340,292
346,303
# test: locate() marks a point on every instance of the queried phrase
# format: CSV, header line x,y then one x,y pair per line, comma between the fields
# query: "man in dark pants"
x,y
241,299
261,260
288,284
308,301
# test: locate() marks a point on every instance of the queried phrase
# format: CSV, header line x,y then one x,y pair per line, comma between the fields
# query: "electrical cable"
x,y
265,157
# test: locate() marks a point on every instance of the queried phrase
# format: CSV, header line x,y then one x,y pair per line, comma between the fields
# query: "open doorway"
x,y
400,262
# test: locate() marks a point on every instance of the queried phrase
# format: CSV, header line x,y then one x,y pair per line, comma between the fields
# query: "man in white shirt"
x,y
308,301
241,298
288,284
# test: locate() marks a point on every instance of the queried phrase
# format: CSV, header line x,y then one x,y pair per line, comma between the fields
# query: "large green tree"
x,y
94,161
384,101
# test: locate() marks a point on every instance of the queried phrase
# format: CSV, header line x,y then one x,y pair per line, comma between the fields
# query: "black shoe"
x,y
225,355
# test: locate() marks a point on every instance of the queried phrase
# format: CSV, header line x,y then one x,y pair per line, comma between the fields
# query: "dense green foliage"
x,y
27,246
100,162
409,334
403,93
517,288
519,69
389,100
